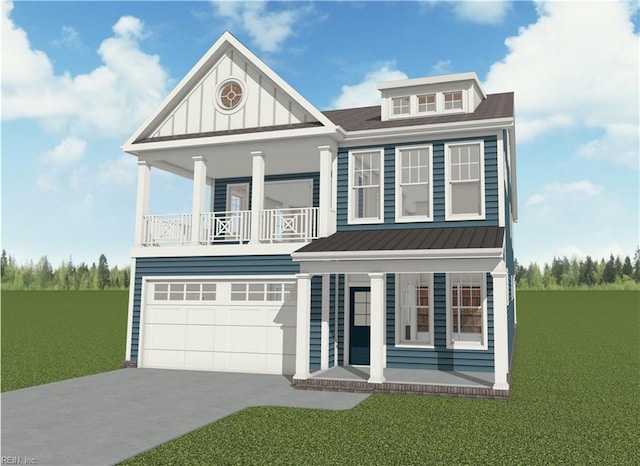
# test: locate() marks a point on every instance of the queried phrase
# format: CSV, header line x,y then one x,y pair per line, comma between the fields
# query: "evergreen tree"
x,y
3,264
609,275
103,272
44,274
588,272
618,268
70,276
636,265
627,268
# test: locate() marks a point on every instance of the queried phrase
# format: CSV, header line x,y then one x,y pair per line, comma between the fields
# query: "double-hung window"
x,y
464,175
414,321
414,184
366,186
466,311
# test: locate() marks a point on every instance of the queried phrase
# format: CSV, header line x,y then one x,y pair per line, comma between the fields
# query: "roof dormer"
x,y
435,95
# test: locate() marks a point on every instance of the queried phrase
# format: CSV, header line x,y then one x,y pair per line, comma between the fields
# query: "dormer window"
x,y
426,103
401,106
453,100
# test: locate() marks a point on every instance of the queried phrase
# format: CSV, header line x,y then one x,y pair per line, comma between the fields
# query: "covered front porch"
x,y
412,320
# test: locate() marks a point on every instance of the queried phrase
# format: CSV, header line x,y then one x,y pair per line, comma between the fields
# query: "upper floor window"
x,y
400,105
453,100
366,186
414,184
464,175
426,103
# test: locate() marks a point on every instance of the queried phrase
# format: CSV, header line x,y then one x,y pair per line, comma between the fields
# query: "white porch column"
x,y
377,327
500,330
325,225
199,190
324,328
303,326
142,200
212,197
257,194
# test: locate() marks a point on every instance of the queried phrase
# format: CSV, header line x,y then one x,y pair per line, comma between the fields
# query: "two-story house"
x,y
359,249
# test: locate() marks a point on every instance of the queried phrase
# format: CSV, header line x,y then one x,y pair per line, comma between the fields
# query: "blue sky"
x,y
78,78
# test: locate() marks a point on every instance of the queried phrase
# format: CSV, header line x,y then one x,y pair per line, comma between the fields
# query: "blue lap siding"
x,y
439,357
218,266
316,323
490,181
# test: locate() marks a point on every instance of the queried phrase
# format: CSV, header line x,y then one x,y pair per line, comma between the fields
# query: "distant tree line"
x,y
564,273
68,276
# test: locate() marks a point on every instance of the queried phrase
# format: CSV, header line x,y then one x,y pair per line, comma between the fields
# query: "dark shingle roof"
x,y
363,118
409,239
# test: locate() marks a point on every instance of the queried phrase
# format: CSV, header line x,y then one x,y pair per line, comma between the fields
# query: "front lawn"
x,y
55,335
574,400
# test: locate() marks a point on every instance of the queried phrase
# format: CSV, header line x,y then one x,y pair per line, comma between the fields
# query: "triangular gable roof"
x,y
190,108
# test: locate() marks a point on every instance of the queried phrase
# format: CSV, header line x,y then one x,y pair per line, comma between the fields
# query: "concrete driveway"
x,y
106,418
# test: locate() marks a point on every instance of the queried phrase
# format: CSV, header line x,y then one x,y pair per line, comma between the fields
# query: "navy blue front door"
x,y
360,326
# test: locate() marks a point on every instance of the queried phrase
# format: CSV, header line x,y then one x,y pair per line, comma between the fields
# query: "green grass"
x,y
574,400
55,335
575,393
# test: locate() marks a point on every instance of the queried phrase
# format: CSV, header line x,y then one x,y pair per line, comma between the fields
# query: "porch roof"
x,y
413,239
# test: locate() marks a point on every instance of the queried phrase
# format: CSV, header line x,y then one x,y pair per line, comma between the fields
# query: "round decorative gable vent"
x,y
230,95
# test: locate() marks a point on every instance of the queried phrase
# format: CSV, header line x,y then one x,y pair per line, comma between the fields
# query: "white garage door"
x,y
236,326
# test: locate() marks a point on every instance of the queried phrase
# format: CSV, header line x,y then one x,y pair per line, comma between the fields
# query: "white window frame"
x,y
416,218
393,105
449,216
400,341
435,103
468,345
462,101
352,198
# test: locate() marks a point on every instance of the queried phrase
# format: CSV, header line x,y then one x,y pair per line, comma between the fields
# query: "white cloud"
x,y
620,145
68,152
82,207
559,192
561,66
69,37
121,170
597,253
111,99
482,12
46,182
268,29
441,67
365,93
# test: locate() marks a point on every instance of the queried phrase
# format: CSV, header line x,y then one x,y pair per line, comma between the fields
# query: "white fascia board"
x,y
217,49
258,136
458,265
408,254
512,166
433,130
441,79
263,249
208,278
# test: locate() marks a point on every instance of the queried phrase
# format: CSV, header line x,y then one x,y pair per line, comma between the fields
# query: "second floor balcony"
x,y
286,225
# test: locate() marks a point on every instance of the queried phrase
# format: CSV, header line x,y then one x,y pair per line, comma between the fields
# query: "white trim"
x,y
398,317
459,265
449,217
324,322
243,98
199,192
259,249
440,79
325,217
303,325
500,328
377,329
351,198
468,345
142,199
502,166
132,285
257,194
336,312
398,196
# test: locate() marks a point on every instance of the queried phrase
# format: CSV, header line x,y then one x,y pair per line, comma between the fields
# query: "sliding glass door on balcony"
x,y
288,213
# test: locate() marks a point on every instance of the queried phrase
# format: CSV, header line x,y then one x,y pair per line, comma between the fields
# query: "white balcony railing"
x,y
276,226
289,225
225,227
166,230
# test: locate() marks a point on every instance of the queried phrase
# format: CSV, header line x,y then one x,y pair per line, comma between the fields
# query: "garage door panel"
x,y
247,362
165,315
284,316
289,340
199,338
201,315
161,336
247,316
199,360
164,359
247,339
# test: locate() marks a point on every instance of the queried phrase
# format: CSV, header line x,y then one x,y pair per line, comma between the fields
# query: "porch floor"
x,y
409,381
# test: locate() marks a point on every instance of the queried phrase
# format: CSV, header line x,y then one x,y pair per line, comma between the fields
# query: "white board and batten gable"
x,y
229,89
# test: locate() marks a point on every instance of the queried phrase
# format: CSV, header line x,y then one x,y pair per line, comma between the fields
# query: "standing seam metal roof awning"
x,y
408,239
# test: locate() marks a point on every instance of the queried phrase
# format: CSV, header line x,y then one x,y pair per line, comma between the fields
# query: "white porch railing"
x,y
289,225
225,227
166,230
